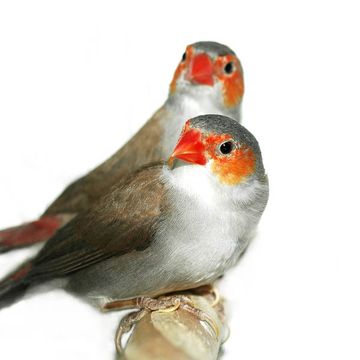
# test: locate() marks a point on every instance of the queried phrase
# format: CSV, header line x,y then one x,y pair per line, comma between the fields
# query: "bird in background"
x,y
167,227
208,79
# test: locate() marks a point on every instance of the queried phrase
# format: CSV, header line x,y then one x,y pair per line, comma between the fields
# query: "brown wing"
x,y
137,152
121,221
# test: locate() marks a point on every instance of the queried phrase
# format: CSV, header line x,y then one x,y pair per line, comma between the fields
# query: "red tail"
x,y
30,233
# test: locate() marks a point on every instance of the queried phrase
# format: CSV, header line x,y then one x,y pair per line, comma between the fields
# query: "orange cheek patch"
x,y
233,89
233,83
234,168
181,67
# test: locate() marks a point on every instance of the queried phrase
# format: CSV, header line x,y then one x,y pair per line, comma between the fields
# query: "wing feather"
x,y
121,221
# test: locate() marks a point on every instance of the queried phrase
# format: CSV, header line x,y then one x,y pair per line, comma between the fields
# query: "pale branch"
x,y
178,335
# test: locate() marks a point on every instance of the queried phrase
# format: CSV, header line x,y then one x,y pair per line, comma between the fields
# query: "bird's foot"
x,y
163,304
126,325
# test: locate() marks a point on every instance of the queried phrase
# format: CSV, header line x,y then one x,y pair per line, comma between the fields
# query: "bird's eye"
x,y
229,67
183,57
226,147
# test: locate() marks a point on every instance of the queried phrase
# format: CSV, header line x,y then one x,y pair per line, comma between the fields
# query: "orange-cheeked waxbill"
x,y
209,79
167,227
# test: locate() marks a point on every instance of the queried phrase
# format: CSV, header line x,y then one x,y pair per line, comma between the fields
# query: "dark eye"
x,y
226,147
183,57
229,67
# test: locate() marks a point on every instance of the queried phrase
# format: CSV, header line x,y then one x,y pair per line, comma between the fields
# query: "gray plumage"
x,y
161,230
213,47
151,143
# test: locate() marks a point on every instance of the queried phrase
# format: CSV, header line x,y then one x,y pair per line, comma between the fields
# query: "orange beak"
x,y
189,148
201,70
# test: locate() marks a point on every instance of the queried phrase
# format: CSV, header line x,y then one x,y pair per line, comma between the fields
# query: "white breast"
x,y
207,230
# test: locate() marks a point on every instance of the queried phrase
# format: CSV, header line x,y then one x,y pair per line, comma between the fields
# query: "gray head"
x,y
212,48
232,152
211,69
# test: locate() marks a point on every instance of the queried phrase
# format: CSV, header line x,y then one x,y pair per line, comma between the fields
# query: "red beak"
x,y
201,70
189,148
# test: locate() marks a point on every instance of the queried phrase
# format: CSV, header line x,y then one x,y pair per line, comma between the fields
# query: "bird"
x,y
208,79
170,226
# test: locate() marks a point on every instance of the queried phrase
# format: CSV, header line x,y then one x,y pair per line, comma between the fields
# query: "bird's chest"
x,y
213,241
201,239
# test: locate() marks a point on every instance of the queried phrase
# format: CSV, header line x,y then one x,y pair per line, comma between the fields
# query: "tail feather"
x,y
11,293
29,233
14,286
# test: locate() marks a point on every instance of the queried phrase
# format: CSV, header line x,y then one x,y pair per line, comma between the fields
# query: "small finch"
x,y
167,227
209,79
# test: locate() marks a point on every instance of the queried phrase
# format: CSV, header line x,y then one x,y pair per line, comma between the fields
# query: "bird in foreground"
x,y
168,227
209,79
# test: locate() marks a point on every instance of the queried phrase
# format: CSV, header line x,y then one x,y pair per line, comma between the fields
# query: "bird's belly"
x,y
144,273
165,266
185,254
203,255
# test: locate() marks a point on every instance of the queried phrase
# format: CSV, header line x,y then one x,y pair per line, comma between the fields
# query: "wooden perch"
x,y
178,335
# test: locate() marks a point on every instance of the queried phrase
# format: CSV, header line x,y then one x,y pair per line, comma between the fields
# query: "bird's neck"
x,y
195,182
181,108
200,103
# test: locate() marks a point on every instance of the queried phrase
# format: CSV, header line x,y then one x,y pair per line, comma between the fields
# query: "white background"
x,y
78,78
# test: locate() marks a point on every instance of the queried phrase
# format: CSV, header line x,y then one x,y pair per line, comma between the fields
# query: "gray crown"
x,y
213,47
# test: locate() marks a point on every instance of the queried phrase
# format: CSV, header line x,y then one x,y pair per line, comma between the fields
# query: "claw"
x,y
213,325
203,317
209,289
217,297
126,325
